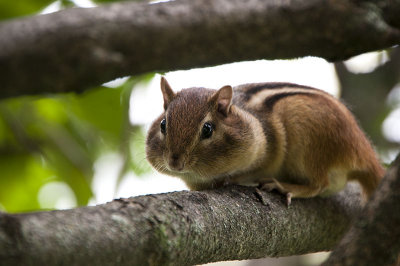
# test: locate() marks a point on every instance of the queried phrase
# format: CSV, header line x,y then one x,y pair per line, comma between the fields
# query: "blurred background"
x,y
68,150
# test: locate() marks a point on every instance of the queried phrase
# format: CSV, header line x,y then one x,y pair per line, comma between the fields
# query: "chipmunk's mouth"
x,y
180,164
179,173
176,163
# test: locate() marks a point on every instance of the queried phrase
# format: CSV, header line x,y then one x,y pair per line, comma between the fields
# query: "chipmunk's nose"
x,y
176,162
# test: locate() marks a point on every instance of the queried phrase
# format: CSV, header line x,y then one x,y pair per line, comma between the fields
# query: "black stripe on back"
x,y
273,99
274,85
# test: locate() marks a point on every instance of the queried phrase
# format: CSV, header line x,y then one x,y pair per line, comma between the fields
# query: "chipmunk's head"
x,y
199,137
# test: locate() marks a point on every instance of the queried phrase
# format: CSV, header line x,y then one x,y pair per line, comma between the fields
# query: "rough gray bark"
x,y
181,228
77,48
374,237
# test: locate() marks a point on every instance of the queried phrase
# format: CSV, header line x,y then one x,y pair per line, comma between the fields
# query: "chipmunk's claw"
x,y
288,198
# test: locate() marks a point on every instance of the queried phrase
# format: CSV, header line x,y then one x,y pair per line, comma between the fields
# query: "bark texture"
x,y
374,237
75,49
181,228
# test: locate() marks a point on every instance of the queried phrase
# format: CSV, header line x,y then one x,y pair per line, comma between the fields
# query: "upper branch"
x,y
74,49
181,228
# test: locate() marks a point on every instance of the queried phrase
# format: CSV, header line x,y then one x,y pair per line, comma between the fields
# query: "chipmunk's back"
x,y
313,135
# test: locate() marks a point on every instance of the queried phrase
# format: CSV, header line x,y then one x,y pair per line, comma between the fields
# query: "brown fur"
x,y
296,139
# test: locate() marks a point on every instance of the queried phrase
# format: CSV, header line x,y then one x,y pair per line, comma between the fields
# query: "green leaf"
x,y
139,164
10,9
51,110
101,109
21,178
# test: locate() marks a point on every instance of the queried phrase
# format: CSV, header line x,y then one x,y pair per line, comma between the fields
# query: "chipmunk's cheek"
x,y
194,165
191,162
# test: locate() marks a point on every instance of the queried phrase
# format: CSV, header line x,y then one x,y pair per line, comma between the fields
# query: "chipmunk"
x,y
296,139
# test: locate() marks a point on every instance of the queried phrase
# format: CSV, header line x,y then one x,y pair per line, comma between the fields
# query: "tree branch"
x,y
374,237
74,49
181,228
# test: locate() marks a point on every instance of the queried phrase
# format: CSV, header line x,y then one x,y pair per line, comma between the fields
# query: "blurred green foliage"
x,y
59,138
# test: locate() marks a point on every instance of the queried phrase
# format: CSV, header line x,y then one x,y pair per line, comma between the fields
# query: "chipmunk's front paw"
x,y
275,185
268,186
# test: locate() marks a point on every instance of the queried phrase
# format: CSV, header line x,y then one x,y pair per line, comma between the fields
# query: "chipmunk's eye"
x,y
163,125
207,130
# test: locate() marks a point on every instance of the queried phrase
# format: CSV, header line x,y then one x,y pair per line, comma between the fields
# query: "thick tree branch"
x,y
181,228
375,235
74,49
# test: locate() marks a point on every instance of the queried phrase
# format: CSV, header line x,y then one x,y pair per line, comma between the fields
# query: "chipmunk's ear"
x,y
223,99
168,93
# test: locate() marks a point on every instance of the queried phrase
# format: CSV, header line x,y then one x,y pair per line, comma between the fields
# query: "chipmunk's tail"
x,y
369,178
